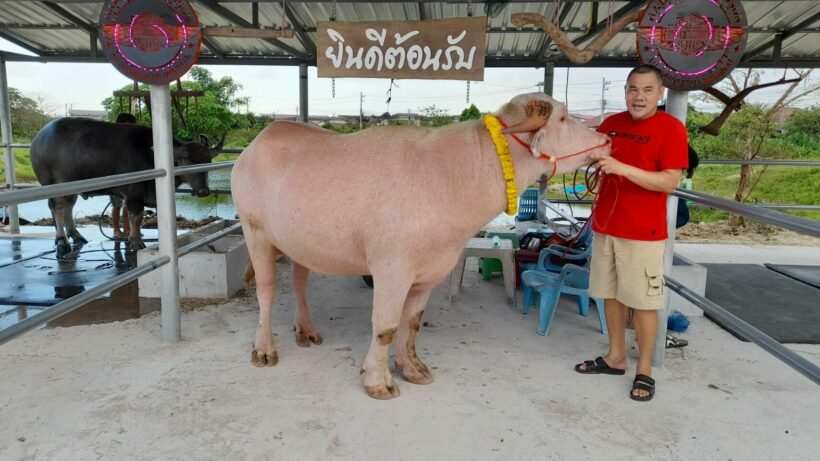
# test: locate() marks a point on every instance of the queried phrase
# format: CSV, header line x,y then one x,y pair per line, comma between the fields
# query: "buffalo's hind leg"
x,y
263,255
68,216
57,205
410,365
305,331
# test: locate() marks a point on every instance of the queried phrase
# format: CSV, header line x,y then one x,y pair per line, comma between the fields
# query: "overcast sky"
x,y
275,89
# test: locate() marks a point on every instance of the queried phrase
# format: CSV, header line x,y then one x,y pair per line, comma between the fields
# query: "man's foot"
x,y
643,388
600,366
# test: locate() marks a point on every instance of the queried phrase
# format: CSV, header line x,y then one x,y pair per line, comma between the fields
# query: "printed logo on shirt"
x,y
636,138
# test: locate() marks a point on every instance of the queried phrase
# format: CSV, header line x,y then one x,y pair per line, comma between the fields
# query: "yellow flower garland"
x,y
502,147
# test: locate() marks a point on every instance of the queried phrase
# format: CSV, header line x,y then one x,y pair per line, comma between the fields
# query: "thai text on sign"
x,y
443,49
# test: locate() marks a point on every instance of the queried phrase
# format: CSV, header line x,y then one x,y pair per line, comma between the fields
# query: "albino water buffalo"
x,y
396,202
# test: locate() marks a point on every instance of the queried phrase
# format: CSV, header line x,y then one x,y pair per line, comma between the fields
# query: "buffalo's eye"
x,y
563,118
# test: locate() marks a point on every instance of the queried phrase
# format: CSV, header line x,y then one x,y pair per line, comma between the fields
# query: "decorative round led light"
x,y
151,41
695,43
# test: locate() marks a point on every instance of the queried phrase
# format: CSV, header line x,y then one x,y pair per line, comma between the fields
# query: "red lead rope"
x,y
551,158
592,181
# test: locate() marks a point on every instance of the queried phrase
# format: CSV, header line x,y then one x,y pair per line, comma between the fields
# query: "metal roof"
x,y
781,33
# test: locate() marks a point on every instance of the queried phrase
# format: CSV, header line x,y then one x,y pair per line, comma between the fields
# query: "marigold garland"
x,y
502,147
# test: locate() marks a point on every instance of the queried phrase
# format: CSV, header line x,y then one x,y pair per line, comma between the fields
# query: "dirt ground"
x,y
751,233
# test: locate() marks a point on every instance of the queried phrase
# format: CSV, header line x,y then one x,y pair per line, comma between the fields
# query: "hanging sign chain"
x,y
468,92
470,8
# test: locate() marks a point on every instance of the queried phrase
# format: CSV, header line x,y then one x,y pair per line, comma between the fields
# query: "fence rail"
x,y
784,354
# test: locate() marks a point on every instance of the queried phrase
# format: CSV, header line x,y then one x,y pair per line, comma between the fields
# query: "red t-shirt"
x,y
625,209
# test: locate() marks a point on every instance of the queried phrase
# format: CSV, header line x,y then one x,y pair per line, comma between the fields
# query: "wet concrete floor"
x,y
32,279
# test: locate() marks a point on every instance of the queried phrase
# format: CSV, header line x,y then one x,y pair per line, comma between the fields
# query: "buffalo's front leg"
x,y
412,368
305,331
263,259
389,295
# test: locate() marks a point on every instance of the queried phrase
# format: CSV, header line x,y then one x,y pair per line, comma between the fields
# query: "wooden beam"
x,y
146,93
246,32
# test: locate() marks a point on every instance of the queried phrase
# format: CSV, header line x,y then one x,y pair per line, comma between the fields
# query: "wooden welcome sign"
x,y
451,49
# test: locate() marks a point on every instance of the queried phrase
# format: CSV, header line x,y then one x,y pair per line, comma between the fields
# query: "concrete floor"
x,y
500,392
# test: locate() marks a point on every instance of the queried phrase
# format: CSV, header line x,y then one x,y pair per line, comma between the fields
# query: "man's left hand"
x,y
610,165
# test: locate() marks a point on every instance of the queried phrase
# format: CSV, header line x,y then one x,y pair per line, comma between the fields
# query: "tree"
x,y
753,125
433,116
27,115
470,113
806,121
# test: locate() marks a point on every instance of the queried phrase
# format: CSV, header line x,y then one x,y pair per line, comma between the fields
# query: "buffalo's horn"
x,y
538,112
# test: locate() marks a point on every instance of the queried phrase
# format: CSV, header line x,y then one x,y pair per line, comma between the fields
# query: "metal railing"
x,y
698,205
29,194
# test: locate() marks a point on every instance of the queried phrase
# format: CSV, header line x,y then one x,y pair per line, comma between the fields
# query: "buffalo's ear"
x,y
205,141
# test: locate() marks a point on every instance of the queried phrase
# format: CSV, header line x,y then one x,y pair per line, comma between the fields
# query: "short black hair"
x,y
646,69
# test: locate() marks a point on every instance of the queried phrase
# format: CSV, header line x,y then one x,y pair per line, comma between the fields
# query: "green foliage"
x,y
27,115
433,116
806,121
470,113
341,128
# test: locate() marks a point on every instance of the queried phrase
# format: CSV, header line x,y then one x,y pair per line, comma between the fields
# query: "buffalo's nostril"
x,y
203,192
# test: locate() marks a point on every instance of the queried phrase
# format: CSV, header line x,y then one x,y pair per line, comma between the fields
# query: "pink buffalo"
x,y
396,202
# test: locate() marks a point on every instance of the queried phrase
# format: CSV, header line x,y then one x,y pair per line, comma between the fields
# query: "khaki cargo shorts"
x,y
630,271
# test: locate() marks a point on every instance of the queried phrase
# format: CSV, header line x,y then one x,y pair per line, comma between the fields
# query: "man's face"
x,y
643,92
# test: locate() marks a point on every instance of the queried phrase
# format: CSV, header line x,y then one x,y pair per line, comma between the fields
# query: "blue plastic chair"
x,y
527,205
549,286
578,254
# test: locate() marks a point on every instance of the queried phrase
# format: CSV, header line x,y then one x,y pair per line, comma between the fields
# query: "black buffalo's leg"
x,y
135,209
68,216
56,206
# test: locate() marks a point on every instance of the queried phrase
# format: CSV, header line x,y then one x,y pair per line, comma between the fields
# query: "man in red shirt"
x,y
649,150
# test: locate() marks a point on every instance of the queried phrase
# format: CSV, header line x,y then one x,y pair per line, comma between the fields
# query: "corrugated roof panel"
x,y
778,16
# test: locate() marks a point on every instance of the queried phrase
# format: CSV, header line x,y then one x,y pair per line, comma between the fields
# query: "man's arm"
x,y
658,181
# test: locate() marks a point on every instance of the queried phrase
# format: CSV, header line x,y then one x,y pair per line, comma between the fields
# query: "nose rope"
x,y
551,158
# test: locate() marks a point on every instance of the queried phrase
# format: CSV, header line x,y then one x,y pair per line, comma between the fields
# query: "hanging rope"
x,y
390,94
470,8
332,18
283,18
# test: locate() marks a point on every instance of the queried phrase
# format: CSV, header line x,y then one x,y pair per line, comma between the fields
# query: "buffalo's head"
x,y
193,153
547,126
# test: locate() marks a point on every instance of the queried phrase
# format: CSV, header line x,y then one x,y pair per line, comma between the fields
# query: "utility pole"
x,y
361,113
604,87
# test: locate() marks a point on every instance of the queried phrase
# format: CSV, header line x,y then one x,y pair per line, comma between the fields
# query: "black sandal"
x,y
598,366
644,383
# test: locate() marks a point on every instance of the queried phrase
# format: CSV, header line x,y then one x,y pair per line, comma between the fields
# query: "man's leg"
x,y
646,326
616,327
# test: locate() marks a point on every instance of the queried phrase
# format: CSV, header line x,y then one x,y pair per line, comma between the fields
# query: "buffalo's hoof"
x,y
264,359
303,338
135,245
63,250
416,372
383,391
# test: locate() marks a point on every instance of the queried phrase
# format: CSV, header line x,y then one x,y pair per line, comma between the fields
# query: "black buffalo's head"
x,y
193,153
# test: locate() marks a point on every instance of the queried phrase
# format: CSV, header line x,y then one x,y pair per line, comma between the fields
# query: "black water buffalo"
x,y
71,149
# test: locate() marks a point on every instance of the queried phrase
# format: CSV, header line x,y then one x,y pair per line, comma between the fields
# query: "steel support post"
x,y
8,152
166,211
549,77
676,105
303,92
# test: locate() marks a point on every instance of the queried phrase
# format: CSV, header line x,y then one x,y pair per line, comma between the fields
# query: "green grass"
x,y
779,185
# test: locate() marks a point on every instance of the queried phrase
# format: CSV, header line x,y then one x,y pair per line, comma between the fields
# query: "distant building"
x,y
95,114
